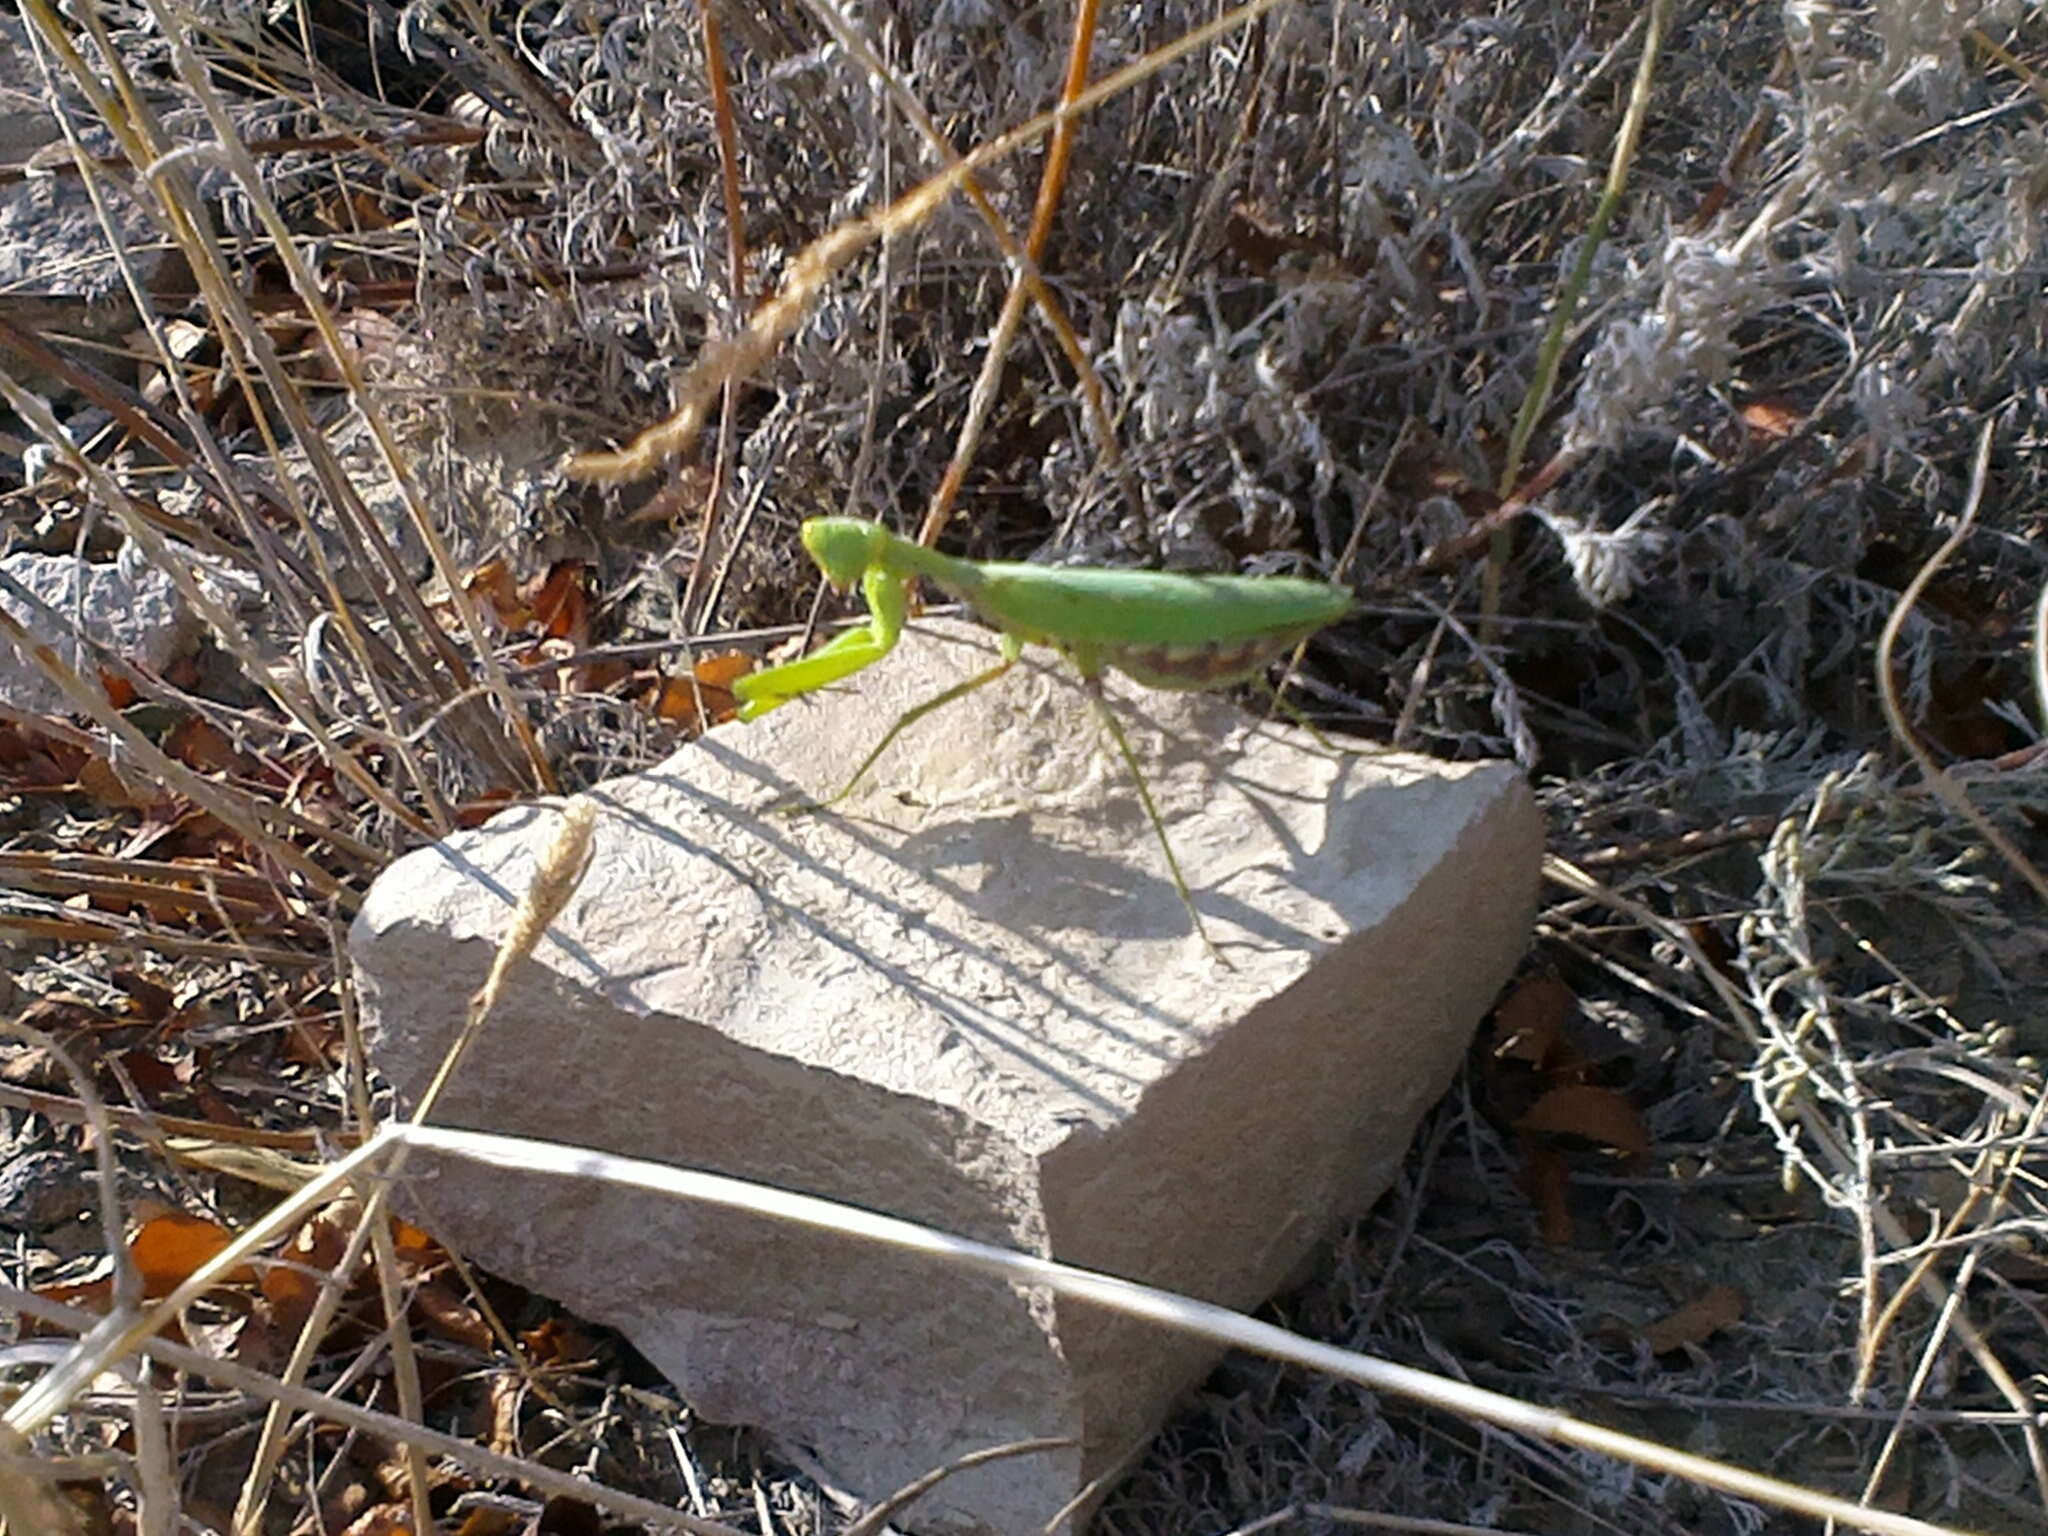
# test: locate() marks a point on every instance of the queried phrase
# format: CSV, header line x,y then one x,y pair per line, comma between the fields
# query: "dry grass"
x,y
1638,389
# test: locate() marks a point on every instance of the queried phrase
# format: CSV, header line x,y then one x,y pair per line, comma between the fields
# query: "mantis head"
x,y
844,547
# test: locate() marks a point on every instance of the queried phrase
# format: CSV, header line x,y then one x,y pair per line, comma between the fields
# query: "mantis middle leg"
x,y
1091,683
1012,648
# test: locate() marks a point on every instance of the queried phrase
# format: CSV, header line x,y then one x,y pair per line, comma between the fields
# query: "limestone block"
x,y
969,996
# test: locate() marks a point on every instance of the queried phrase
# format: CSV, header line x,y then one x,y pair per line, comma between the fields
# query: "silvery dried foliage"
x,y
1608,566
1703,292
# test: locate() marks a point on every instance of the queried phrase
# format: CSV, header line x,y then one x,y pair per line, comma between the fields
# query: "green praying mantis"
x,y
1163,629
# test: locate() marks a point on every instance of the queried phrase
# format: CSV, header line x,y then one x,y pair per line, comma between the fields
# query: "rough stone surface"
x,y
968,996
126,605
52,246
26,121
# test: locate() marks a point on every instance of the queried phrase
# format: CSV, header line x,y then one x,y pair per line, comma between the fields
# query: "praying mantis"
x,y
1163,629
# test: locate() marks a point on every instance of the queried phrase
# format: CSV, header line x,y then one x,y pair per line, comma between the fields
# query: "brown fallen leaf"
x,y
169,1248
1771,417
675,698
1592,1113
560,603
392,1519
447,1314
1715,1308
1546,1180
293,1284
1528,1026
487,1522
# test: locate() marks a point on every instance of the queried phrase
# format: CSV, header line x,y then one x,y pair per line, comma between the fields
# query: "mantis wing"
x,y
1162,628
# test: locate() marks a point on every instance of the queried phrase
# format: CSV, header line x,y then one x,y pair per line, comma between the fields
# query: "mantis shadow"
x,y
1120,897
1117,895
971,1017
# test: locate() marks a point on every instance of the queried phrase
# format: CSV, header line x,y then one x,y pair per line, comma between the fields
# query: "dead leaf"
x,y
216,1107
447,1314
416,1246
723,668
314,1042
474,812
1261,245
1529,1023
488,1522
557,1342
98,779
1546,1180
1591,1113
560,605
204,747
30,760
291,1284
393,1519
168,1249
154,1078
87,1295
1713,944
1772,418
675,699
491,587
1718,1307
148,1000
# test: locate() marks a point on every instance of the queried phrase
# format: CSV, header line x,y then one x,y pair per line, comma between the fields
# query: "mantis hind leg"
x,y
910,717
1281,706
1093,684
1276,698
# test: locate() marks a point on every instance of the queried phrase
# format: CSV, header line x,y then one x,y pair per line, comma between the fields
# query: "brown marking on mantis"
x,y
1193,666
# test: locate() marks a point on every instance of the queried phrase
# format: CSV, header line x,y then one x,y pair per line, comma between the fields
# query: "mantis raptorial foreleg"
x,y
1164,630
843,656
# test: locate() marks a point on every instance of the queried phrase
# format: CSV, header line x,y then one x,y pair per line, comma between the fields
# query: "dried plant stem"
x,y
336,1410
561,868
29,1499
262,823
145,524
1811,1126
115,1337
245,342
708,541
1022,262
555,878
1543,382
981,399
286,684
1945,787
273,1439
1149,1303
774,321
143,139
2039,659
1981,1189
